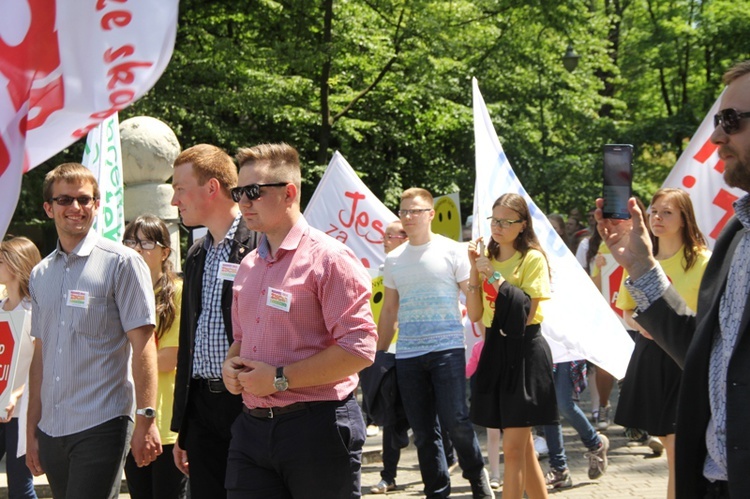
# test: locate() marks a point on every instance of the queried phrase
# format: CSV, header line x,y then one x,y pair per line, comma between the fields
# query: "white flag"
x,y
577,318
103,157
343,207
699,172
64,67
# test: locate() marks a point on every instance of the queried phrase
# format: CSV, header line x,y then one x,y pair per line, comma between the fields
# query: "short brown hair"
x,y
738,70
210,162
417,192
20,256
281,158
69,173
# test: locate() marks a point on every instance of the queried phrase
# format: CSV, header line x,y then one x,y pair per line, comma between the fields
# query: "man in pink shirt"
x,y
303,329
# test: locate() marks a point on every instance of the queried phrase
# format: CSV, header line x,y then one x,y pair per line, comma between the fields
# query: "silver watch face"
x,y
281,384
148,412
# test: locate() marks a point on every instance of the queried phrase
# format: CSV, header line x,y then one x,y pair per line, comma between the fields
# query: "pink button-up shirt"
x,y
313,294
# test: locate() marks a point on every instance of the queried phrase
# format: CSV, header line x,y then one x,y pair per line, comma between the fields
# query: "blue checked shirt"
x,y
649,287
211,343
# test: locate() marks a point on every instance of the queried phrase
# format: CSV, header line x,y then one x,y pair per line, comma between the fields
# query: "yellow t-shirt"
x,y
529,273
595,270
165,392
686,284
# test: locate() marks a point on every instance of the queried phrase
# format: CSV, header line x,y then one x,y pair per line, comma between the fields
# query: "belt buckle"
x,y
270,413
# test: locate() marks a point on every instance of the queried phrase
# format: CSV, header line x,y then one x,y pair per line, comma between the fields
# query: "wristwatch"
x,y
146,412
280,381
494,277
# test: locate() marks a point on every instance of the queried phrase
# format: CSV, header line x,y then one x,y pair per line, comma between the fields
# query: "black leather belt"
x,y
272,412
213,385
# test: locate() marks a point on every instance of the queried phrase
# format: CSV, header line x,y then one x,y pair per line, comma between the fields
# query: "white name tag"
x,y
78,299
228,271
278,299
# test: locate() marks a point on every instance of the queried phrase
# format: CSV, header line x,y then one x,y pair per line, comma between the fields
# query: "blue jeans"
x,y
575,416
20,479
433,388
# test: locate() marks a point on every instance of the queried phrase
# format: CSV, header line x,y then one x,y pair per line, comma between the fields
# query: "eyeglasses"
x,y
145,244
502,222
730,120
252,191
395,236
68,200
404,213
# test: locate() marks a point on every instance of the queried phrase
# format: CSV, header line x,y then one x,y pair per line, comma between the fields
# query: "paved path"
x,y
633,471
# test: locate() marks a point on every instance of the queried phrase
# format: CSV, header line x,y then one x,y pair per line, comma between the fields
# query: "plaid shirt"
x,y
211,343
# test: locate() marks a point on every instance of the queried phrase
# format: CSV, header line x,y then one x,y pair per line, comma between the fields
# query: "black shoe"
x,y
480,487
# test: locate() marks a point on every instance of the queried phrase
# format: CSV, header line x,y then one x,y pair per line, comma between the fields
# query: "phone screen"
x,y
618,179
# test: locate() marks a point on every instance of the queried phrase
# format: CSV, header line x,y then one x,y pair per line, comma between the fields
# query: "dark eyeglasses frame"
x,y
252,191
503,222
132,243
730,120
403,213
65,200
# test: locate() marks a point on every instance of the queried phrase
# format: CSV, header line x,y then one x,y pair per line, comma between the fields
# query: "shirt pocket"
x,y
92,320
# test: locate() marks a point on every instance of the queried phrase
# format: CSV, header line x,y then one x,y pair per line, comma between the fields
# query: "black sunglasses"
x,y
730,120
252,191
68,200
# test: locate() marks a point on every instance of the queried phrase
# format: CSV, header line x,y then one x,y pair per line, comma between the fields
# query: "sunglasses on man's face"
x,y
252,191
730,120
68,200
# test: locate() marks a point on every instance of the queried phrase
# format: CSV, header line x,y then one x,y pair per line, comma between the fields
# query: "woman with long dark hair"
x,y
149,236
514,385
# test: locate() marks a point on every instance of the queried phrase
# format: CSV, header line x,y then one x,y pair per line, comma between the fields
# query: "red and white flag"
x,y
64,67
343,207
700,173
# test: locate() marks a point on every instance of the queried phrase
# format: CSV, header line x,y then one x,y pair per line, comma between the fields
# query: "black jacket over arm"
x,y
688,340
244,242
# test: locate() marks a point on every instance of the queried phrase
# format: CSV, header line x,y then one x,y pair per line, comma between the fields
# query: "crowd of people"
x,y
238,379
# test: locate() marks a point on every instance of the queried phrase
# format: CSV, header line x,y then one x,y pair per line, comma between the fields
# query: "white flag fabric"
x,y
103,156
343,207
699,172
64,67
578,320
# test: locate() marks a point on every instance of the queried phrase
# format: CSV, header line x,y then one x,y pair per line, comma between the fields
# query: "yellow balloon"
x,y
447,221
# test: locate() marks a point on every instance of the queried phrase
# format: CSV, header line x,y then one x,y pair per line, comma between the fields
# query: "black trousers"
x,y
159,480
88,463
312,453
207,432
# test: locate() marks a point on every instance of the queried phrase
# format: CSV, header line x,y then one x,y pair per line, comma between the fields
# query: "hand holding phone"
x,y
618,180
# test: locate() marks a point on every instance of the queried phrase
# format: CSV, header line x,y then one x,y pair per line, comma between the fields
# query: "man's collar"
x,y
84,246
742,210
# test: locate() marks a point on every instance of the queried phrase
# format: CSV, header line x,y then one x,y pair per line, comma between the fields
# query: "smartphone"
x,y
618,180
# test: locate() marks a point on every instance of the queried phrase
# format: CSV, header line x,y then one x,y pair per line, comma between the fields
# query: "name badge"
x,y
78,299
228,271
278,299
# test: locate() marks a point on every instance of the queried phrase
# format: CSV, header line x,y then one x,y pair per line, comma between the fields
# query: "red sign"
x,y
7,343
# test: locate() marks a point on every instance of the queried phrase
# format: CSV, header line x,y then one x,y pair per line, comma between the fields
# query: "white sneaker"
x,y
372,431
540,446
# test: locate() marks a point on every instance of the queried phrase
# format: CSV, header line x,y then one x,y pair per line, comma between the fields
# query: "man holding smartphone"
x,y
712,347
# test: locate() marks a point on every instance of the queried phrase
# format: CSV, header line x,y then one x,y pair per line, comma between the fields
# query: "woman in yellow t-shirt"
x,y
648,398
524,392
149,236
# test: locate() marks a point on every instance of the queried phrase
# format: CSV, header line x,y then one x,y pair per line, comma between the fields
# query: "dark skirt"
x,y
514,384
648,397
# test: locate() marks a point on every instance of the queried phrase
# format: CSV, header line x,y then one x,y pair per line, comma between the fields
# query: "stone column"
x,y
149,148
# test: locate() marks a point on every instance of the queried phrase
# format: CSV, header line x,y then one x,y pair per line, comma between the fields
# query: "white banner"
x,y
343,207
64,67
577,318
699,172
103,157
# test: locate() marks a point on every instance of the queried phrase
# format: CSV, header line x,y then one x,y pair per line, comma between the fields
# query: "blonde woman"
x,y
17,257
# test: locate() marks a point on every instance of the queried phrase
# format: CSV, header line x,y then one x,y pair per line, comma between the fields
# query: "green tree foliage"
x,y
388,83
